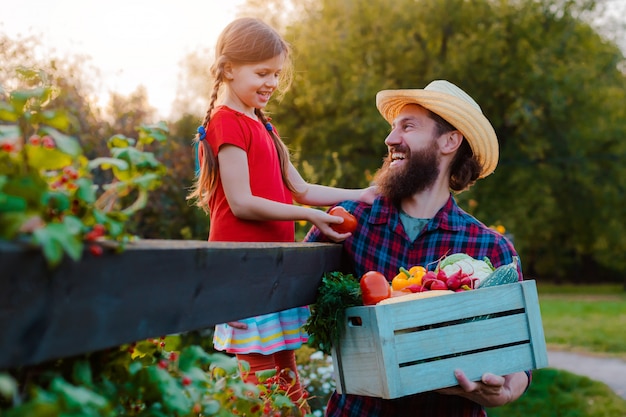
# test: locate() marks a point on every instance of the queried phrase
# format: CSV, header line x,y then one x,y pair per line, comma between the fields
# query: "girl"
x,y
247,184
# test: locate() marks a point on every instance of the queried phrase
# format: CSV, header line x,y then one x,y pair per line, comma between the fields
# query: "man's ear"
x,y
451,141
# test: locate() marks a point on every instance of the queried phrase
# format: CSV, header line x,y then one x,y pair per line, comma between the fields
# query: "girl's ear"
x,y
451,141
228,71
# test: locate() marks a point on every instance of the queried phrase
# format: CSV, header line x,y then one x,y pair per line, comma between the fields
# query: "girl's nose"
x,y
272,81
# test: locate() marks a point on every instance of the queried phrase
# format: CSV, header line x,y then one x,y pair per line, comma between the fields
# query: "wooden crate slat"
x,y
438,374
460,338
467,303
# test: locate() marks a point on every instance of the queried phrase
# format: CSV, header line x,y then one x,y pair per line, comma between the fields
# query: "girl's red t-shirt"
x,y
228,126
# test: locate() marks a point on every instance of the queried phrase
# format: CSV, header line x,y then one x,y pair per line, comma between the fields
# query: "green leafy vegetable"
x,y
336,293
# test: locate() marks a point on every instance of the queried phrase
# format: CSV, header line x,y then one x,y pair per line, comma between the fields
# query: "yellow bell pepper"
x,y
409,277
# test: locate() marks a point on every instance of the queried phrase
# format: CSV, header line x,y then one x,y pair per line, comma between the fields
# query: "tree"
x,y
550,84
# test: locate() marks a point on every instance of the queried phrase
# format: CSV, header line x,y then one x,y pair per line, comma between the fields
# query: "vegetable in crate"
x,y
407,278
505,274
474,269
335,293
374,288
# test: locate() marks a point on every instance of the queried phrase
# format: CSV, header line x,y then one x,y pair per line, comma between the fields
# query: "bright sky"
x,y
132,42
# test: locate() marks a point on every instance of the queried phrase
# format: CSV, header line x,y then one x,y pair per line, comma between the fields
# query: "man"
x,y
440,142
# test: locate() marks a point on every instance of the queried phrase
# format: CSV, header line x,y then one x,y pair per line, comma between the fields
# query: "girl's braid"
x,y
213,98
206,180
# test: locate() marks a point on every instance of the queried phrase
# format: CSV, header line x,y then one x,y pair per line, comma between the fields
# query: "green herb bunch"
x,y
337,292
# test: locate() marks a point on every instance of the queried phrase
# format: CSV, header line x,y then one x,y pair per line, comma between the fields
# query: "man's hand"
x,y
491,391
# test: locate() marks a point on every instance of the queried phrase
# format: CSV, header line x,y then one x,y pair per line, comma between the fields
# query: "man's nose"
x,y
392,138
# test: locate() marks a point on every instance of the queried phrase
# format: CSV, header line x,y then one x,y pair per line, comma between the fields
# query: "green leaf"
x,y
150,133
86,190
8,386
211,407
192,355
147,181
65,143
7,113
135,367
282,401
55,238
58,119
79,398
82,373
29,187
73,224
262,376
107,163
162,387
47,159
11,203
10,224
57,200
10,131
120,141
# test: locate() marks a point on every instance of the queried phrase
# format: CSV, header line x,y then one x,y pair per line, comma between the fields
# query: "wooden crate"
x,y
394,350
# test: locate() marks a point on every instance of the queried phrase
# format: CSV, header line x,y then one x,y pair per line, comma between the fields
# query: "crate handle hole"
x,y
355,321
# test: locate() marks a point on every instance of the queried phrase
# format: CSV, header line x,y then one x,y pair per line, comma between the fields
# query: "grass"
x,y
563,394
584,318
587,319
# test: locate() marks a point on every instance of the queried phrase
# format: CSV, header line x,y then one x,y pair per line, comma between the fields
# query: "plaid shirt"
x,y
381,244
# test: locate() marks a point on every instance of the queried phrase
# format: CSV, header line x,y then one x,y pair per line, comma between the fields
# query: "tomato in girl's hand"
x,y
374,288
349,221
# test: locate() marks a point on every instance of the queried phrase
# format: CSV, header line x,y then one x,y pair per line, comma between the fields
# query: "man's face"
x,y
412,164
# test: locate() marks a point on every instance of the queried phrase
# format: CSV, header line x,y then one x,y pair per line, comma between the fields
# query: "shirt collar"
x,y
384,212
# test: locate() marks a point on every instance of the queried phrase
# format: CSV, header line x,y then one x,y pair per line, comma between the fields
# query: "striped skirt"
x,y
265,334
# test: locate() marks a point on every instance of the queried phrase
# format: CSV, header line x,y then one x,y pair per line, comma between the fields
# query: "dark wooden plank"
x,y
153,288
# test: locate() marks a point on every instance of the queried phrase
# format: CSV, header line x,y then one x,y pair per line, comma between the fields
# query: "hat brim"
x,y
466,118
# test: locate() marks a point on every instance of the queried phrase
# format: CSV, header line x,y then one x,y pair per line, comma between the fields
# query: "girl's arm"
x,y
233,163
321,195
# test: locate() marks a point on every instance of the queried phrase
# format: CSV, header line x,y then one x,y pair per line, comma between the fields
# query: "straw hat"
x,y
456,107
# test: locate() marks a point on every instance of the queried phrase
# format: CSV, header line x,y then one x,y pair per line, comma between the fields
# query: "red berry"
x,y
96,250
186,381
34,140
163,364
70,172
7,147
99,230
47,142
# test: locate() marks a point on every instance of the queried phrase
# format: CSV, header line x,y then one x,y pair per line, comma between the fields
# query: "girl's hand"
x,y
323,220
238,325
369,194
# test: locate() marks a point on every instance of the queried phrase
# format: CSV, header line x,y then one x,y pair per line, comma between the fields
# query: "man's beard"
x,y
418,174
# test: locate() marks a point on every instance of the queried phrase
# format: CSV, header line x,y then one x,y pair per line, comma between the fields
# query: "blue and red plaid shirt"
x,y
380,244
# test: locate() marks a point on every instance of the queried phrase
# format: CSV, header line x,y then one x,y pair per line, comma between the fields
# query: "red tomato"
x,y
349,221
374,288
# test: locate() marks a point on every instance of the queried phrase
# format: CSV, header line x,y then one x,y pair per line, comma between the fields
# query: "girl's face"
x,y
250,86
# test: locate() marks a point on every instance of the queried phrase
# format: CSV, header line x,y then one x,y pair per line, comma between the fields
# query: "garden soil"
x,y
611,371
